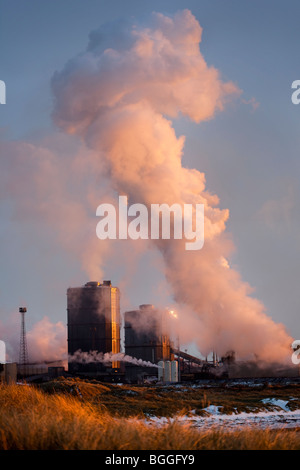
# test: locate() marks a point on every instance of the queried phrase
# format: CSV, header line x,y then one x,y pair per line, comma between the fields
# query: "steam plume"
x,y
117,99
95,356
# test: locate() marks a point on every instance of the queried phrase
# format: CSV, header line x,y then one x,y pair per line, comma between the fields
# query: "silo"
x,y
167,371
93,324
161,366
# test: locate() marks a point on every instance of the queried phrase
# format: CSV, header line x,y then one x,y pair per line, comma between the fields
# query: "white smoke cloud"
x,y
117,100
47,341
120,97
84,357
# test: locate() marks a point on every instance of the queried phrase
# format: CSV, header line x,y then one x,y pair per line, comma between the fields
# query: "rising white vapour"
x,y
119,97
120,100
106,358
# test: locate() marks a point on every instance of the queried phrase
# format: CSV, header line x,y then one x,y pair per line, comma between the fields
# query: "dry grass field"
x,y
70,414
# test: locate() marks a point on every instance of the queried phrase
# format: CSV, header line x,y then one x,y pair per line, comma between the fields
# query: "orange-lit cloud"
x,y
120,102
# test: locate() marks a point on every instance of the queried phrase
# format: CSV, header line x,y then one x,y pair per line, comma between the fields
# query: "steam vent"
x,y
93,325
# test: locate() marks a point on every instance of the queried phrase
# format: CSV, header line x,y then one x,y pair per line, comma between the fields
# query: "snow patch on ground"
x,y
213,409
276,402
262,420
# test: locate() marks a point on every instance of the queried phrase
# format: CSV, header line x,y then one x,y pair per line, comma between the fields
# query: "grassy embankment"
x,y
70,414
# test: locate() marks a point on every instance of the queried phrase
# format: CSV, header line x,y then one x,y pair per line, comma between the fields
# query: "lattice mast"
x,y
23,353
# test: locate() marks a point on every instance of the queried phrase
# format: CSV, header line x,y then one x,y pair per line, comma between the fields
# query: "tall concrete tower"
x,y
93,324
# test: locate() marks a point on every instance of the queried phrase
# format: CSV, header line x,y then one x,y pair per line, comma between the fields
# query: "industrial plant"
x,y
94,336
140,346
150,353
